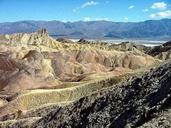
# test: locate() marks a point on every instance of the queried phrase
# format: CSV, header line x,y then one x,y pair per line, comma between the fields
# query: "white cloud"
x,y
164,14
64,21
130,7
74,10
87,18
126,18
159,5
145,10
107,2
89,3
95,19
99,19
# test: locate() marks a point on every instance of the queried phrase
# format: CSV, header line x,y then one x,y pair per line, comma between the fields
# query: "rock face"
x,y
43,32
3,102
82,40
128,46
162,52
64,40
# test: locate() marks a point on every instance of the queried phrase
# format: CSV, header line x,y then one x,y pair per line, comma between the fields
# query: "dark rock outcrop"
x,y
162,52
82,40
129,46
167,43
43,32
64,40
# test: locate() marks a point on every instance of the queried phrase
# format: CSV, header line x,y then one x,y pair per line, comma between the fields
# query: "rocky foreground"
x,y
58,83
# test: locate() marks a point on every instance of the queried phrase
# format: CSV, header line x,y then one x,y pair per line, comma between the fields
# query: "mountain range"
x,y
151,29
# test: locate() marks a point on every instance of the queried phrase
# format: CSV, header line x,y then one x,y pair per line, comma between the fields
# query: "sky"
x,y
84,10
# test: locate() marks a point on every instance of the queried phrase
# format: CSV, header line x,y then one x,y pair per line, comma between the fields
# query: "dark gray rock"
x,y
162,52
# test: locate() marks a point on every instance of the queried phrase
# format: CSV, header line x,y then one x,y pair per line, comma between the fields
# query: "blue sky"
x,y
86,10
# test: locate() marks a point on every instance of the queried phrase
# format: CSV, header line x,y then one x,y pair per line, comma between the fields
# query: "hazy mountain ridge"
x,y
151,29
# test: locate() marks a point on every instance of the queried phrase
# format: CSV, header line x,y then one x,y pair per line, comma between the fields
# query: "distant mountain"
x,y
151,29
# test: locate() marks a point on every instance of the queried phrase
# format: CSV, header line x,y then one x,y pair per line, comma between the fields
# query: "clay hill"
x,y
59,83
